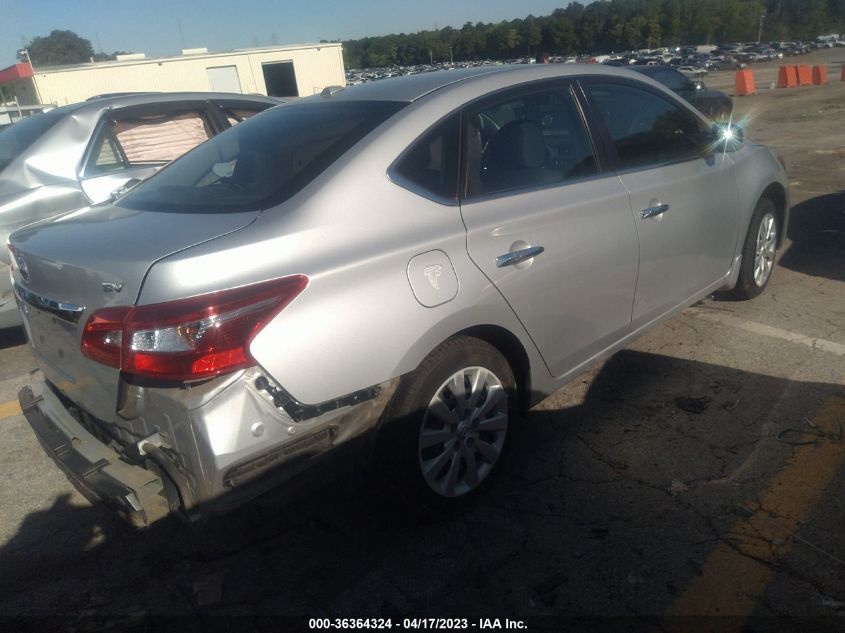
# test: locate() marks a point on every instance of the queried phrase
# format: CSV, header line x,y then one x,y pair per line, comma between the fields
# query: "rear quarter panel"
x,y
353,232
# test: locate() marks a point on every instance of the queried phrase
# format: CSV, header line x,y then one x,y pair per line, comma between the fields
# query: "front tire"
x,y
758,252
447,429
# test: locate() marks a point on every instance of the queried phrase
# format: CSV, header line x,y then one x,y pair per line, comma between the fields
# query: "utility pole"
x,y
760,29
21,54
181,34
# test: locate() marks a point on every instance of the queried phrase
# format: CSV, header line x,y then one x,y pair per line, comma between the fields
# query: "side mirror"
x,y
727,137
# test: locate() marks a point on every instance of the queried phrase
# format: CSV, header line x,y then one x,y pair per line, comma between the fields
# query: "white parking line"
x,y
767,330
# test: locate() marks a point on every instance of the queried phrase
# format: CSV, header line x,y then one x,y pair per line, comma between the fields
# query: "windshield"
x,y
262,161
18,136
671,79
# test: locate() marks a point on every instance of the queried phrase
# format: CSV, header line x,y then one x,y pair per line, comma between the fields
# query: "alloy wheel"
x,y
764,254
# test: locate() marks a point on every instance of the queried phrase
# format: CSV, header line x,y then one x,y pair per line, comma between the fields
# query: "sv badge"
x,y
112,287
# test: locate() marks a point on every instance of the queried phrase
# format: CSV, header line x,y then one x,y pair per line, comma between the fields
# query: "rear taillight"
x,y
103,336
191,338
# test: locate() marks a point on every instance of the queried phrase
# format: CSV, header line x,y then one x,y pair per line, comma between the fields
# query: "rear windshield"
x,y
18,136
262,161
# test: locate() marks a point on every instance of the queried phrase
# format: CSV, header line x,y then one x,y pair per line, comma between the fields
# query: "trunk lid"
x,y
91,259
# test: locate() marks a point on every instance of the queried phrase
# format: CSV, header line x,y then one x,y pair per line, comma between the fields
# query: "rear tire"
x,y
447,428
758,252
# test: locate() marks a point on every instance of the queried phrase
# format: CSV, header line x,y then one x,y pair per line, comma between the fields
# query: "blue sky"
x,y
152,26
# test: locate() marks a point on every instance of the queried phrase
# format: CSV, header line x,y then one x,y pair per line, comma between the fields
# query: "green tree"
x,y
530,33
605,26
60,47
559,35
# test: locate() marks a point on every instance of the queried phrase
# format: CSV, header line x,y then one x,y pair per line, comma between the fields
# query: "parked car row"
x,y
397,268
696,60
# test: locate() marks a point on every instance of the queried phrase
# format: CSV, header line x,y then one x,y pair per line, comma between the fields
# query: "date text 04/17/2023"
x,y
409,624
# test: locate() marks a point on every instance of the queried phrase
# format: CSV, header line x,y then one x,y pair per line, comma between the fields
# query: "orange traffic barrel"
x,y
805,75
744,84
787,77
820,75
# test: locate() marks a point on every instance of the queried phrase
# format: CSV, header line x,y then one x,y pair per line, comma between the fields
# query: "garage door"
x,y
224,79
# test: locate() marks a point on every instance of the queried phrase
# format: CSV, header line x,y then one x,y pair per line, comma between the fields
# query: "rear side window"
x,y
106,156
432,162
646,128
262,161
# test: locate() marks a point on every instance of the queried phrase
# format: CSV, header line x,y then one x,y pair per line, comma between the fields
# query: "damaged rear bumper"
x,y
201,450
136,493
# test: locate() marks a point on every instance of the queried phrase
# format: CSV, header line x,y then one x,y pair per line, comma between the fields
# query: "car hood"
x,y
710,94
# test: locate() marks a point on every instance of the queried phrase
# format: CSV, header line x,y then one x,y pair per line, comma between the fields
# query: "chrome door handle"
x,y
650,212
515,257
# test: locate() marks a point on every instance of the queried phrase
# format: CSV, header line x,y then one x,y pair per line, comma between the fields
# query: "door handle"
x,y
650,212
515,257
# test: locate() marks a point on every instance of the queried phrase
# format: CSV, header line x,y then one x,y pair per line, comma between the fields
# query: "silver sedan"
x,y
398,268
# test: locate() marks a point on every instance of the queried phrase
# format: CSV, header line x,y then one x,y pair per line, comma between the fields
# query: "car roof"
x,y
412,87
142,98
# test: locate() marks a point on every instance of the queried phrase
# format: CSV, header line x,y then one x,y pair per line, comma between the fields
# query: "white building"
x,y
282,71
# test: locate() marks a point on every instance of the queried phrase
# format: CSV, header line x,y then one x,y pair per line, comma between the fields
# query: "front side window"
x,y
647,129
533,137
262,161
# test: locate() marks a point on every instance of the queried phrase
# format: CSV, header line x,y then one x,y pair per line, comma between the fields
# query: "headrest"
x,y
518,145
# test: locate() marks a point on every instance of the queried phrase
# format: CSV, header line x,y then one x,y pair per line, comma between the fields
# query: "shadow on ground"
x,y
817,232
12,337
610,499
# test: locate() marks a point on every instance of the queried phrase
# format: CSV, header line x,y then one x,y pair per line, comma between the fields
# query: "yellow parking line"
x,y
739,569
10,408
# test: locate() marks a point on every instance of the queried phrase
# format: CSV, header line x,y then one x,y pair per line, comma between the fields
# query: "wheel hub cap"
x,y
463,431
764,255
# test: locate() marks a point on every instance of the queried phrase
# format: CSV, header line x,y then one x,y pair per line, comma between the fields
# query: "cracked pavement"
x,y
612,501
